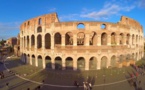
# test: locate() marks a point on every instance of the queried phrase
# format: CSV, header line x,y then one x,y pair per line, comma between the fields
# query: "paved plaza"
x,y
20,78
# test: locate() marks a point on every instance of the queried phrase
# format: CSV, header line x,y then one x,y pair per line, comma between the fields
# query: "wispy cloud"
x,y
141,3
108,10
52,9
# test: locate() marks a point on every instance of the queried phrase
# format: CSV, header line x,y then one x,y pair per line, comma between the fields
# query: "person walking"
x,y
84,85
90,86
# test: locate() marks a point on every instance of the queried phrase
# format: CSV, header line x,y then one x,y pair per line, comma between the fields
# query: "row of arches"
x,y
82,39
81,63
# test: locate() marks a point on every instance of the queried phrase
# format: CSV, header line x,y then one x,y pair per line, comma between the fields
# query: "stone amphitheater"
x,y
80,45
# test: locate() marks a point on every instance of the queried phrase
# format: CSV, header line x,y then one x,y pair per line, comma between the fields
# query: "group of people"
x,y
2,75
86,85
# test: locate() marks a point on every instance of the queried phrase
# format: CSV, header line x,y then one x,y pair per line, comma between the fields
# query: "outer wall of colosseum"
x,y
45,42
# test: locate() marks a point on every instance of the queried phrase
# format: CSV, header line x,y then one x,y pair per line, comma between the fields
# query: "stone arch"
x,y
47,41
137,40
25,58
24,42
32,41
69,38
40,61
33,60
113,61
103,26
28,58
39,21
128,57
133,37
93,63
93,38
57,38
39,41
104,39
58,63
121,58
27,42
81,63
69,63
48,62
104,62
39,29
121,38
80,26
80,38
127,39
113,38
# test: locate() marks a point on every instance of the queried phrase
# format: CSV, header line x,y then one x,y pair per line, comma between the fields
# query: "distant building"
x,y
11,41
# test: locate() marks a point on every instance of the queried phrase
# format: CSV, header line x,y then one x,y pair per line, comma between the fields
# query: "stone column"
x,y
53,63
63,64
52,41
43,42
63,40
87,39
43,63
108,62
118,40
36,61
30,43
99,63
86,63
99,40
130,41
74,40
109,40
35,47
25,43
75,64
124,40
30,60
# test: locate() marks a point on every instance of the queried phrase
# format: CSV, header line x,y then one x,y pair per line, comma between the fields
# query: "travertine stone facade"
x,y
45,42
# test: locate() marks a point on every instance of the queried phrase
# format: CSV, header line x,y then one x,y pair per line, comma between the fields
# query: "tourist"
x,y
90,86
84,85
76,83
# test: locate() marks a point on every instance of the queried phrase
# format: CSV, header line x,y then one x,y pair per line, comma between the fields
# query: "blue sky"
x,y
15,12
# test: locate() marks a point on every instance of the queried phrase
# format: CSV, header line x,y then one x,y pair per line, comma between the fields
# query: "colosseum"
x,y
46,42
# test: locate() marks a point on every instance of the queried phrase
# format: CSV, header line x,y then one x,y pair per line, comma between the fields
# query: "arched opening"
x,y
32,41
137,40
28,42
40,62
58,63
104,62
28,58
113,61
48,62
104,39
33,60
121,59
113,39
69,63
81,63
128,57
24,42
80,26
39,29
80,38
127,39
57,39
93,63
39,21
68,38
121,39
25,59
39,41
47,41
103,26
133,39
93,38
136,56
